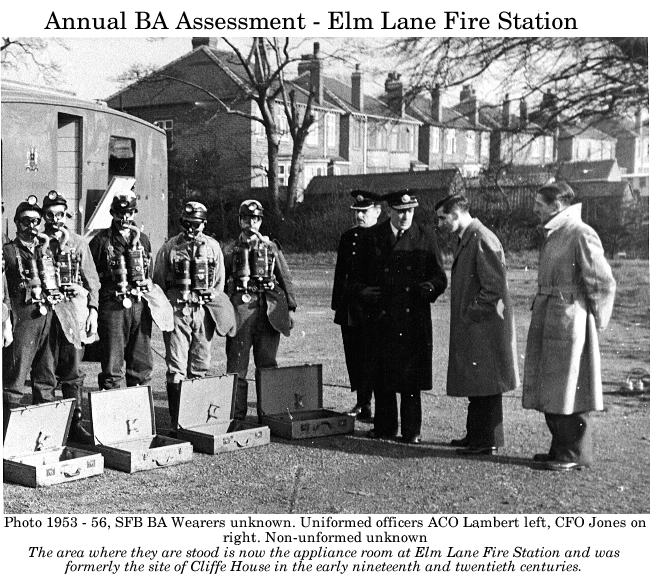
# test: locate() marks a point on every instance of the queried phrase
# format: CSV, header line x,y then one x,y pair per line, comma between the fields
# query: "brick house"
x,y
451,137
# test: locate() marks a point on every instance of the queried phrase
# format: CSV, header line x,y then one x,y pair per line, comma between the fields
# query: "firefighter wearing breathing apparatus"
x,y
261,291
33,290
75,317
128,299
190,269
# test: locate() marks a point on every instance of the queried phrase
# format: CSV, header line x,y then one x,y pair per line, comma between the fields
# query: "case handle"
x,y
71,475
245,444
164,463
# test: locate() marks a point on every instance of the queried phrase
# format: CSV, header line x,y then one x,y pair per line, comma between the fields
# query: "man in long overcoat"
x,y
482,342
347,309
400,274
574,300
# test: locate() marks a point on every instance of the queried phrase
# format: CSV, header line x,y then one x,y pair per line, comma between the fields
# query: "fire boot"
x,y
173,398
78,434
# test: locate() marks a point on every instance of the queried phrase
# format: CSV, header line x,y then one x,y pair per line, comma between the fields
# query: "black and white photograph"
x,y
327,276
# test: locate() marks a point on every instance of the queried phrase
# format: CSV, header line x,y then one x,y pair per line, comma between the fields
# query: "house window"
x,y
485,145
168,126
394,138
450,141
471,144
534,148
377,137
405,138
312,136
330,120
548,147
283,174
357,133
435,140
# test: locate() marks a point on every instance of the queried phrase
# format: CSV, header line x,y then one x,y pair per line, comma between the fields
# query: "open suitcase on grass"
x,y
205,417
124,429
291,403
34,448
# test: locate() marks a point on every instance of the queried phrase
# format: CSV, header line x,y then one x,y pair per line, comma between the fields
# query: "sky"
x,y
89,66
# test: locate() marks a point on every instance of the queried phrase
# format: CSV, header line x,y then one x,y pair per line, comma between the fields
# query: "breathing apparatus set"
x,y
253,259
128,270
46,279
194,271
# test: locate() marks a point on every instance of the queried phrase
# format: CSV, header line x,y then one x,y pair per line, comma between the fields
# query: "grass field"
x,y
352,474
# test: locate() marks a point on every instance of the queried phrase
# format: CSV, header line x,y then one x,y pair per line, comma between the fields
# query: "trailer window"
x,y
121,157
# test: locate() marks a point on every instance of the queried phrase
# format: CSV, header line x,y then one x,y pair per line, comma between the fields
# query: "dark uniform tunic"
x,y
124,332
347,313
400,357
31,329
260,321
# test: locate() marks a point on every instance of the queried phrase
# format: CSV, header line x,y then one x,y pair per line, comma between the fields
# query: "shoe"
x,y
354,411
77,433
476,451
364,414
542,457
373,434
464,442
412,440
563,466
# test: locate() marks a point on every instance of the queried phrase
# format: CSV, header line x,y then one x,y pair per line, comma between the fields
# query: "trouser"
x,y
485,421
353,347
253,330
29,350
410,412
187,348
124,336
571,437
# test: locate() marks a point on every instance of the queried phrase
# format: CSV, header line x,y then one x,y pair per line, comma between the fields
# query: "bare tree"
x,y
135,72
587,76
263,82
31,54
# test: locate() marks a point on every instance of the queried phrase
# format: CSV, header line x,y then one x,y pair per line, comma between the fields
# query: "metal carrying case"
x,y
124,429
205,417
291,403
34,451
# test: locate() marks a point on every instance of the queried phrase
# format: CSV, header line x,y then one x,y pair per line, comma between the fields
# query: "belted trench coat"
x,y
575,298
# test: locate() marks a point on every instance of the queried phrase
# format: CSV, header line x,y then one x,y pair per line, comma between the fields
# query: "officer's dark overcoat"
x,y
400,353
346,307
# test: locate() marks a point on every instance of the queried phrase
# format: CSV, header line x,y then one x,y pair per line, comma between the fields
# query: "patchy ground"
x,y
351,474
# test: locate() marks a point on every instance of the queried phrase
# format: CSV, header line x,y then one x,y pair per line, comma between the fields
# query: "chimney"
x,y
206,41
469,104
505,113
523,114
313,64
357,88
436,104
395,93
466,92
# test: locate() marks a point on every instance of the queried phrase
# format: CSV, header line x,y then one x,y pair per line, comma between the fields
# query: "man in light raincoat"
x,y
574,301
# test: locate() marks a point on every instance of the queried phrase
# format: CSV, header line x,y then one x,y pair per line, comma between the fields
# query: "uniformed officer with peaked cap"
x,y
400,273
347,309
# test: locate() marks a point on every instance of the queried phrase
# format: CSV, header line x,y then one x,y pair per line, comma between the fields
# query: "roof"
x,y
16,92
384,183
569,130
604,189
420,108
339,94
606,170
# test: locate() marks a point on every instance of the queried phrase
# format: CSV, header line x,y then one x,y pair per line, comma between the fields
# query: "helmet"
x,y
251,208
124,201
53,198
194,211
30,204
